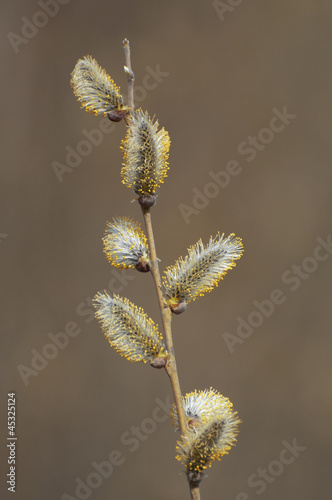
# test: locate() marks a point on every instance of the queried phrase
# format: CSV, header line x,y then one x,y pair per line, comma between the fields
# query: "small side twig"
x,y
130,74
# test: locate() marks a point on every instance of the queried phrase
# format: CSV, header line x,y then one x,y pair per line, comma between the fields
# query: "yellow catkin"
x,y
128,329
145,154
202,269
125,243
95,89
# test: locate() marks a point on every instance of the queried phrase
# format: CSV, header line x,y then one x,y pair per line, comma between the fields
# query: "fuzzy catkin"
x,y
125,244
128,329
200,447
202,269
94,88
145,153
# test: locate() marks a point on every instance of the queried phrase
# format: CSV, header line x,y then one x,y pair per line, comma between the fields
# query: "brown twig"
x,y
194,479
130,74
194,492
166,313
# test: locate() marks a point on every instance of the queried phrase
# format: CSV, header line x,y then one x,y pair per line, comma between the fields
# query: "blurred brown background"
x,y
220,77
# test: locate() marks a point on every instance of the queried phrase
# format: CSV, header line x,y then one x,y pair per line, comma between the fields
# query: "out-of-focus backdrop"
x,y
244,89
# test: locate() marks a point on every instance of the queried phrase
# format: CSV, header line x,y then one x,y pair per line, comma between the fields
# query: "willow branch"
x,y
166,312
166,315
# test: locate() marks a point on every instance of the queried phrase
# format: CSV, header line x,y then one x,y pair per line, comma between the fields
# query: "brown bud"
x,y
194,478
147,200
142,266
158,362
178,308
193,423
116,115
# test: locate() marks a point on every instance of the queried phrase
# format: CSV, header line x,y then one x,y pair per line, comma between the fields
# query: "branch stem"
x,y
194,492
166,315
166,312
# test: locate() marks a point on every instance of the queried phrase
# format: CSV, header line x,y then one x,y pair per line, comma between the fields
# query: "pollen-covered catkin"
x,y
214,431
201,270
125,243
145,153
128,329
96,90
